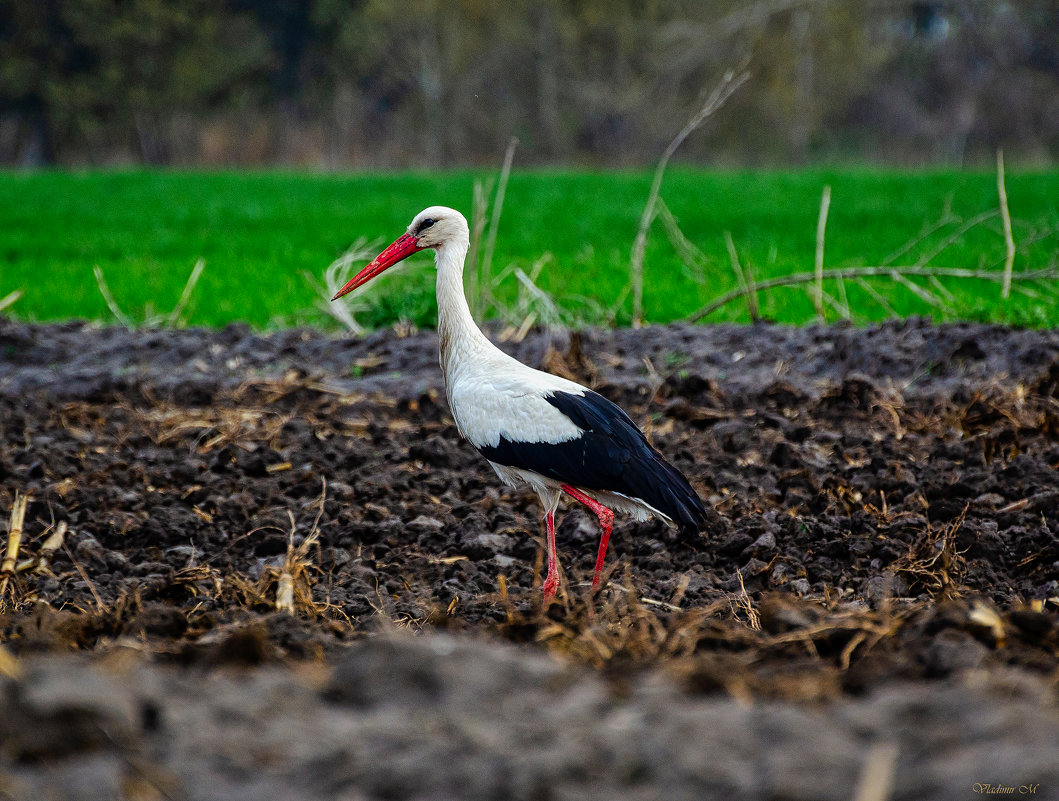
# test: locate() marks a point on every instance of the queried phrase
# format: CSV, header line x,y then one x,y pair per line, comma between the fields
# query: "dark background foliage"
x,y
374,83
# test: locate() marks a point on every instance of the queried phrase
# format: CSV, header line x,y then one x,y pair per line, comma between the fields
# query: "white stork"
x,y
533,427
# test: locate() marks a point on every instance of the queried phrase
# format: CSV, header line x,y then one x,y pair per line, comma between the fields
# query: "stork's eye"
x,y
424,225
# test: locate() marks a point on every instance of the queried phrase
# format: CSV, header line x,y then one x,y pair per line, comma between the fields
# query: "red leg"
x,y
606,525
551,583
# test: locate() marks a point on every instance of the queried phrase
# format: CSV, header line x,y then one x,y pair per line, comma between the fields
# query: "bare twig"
x,y
1005,218
821,228
728,85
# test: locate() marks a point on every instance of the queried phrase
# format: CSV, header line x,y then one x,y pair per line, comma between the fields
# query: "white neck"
x,y
459,337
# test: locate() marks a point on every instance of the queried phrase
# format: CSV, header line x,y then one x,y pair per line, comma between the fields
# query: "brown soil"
x,y
878,585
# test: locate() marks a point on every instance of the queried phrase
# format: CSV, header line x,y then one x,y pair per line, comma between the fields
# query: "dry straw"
x,y
336,275
14,543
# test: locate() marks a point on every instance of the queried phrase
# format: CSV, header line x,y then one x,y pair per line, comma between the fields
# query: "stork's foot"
x,y
550,587
606,525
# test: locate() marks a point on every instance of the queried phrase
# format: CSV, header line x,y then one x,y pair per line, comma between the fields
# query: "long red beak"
x,y
404,247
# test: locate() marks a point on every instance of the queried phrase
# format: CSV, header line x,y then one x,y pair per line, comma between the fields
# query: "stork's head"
x,y
434,227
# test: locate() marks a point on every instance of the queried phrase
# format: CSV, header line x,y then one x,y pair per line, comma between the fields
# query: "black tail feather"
x,y
668,491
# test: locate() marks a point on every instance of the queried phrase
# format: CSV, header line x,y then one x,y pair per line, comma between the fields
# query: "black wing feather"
x,y
612,454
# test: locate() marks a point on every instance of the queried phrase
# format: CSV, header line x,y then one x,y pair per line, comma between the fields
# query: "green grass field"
x,y
259,232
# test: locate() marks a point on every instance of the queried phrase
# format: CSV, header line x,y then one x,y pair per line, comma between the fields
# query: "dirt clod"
x,y
881,565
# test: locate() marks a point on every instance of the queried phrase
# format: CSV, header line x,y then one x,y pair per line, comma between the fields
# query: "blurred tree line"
x,y
376,83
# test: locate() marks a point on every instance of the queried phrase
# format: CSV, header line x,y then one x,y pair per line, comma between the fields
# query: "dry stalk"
x,y
839,305
854,621
955,236
211,427
53,543
717,98
940,297
547,309
876,296
10,667
10,299
987,617
843,301
743,278
294,585
10,567
855,273
150,319
1005,218
100,606
934,563
689,254
877,776
818,272
479,268
196,272
41,563
498,206
108,298
293,582
201,578
946,219
923,294
285,588
14,532
479,220
619,626
753,619
14,542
